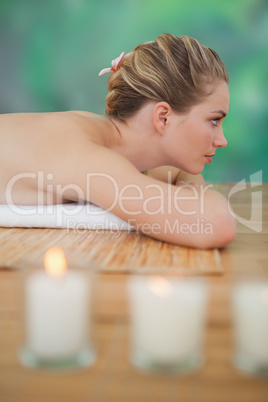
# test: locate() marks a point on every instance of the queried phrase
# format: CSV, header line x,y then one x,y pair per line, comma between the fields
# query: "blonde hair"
x,y
177,70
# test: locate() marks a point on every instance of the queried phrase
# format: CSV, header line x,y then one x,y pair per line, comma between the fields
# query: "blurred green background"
x,y
52,51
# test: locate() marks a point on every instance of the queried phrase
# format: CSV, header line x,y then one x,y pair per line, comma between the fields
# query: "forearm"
x,y
192,216
170,174
203,223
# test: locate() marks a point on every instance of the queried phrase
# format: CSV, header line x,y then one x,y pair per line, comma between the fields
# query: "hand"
x,y
181,183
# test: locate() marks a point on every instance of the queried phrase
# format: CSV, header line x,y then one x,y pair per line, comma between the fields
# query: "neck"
x,y
137,140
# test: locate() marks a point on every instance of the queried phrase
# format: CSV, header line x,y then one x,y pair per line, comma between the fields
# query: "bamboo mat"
x,y
104,251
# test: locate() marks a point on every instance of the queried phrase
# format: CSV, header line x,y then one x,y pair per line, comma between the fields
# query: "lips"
x,y
209,158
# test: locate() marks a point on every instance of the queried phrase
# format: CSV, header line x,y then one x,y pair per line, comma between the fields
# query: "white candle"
x,y
56,310
250,314
168,319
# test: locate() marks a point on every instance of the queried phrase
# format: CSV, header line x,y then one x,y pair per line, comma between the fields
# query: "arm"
x,y
195,217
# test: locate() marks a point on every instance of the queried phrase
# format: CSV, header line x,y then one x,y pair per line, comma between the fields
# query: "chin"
x,y
195,170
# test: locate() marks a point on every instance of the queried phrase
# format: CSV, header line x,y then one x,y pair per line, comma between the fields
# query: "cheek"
x,y
200,138
206,136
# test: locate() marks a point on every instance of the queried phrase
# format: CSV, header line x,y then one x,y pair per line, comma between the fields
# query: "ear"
x,y
161,116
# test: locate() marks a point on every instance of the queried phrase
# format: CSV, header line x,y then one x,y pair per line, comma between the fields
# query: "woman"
x,y
165,106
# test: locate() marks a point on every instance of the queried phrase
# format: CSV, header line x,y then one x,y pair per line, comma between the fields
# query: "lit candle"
x,y
167,322
57,312
250,314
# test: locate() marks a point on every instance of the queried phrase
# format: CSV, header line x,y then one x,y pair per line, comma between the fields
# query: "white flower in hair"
x,y
115,65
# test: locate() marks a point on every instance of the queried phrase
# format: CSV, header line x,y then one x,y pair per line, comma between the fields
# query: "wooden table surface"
x,y
112,378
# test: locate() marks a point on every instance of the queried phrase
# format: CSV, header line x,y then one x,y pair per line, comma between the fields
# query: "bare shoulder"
x,y
97,174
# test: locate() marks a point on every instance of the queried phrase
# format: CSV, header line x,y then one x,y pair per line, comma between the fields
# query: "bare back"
x,y
39,145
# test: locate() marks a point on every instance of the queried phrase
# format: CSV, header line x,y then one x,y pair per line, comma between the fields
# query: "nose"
x,y
220,141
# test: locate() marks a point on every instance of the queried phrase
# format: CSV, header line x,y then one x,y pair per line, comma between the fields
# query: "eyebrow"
x,y
219,111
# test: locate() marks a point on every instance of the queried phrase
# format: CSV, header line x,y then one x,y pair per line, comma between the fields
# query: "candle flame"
x,y
264,296
160,286
55,262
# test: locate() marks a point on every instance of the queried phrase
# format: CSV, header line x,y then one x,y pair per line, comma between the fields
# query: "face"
x,y
194,138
